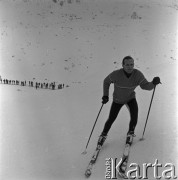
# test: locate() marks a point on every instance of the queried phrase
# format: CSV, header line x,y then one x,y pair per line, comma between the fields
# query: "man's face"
x,y
128,65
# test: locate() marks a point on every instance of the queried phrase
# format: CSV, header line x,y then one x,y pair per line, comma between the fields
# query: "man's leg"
x,y
133,108
115,108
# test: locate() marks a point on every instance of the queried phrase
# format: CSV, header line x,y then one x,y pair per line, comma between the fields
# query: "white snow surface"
x,y
43,132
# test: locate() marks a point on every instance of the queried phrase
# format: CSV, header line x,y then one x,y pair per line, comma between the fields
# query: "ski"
x,y
94,157
124,160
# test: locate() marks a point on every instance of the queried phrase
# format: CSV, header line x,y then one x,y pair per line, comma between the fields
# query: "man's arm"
x,y
146,85
142,81
106,84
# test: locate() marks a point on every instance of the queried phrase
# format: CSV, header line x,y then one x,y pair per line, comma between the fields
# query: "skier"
x,y
125,81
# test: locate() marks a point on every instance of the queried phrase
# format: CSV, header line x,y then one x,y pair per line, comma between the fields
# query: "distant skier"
x,y
125,81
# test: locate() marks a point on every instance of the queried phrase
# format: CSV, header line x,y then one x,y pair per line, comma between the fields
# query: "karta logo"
x,y
134,170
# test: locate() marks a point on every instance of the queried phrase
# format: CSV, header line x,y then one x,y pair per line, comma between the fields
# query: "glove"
x,y
105,99
156,81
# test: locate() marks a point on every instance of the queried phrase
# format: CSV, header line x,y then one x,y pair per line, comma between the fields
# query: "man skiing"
x,y
125,81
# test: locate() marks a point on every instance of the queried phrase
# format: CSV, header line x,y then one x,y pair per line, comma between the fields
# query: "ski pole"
x,y
148,114
84,152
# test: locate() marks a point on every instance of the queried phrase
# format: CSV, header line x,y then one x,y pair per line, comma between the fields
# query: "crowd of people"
x,y
37,85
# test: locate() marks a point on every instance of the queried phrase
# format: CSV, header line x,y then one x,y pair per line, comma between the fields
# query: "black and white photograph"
x,y
88,89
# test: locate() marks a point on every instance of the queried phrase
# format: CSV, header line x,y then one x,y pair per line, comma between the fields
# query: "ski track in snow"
x,y
42,132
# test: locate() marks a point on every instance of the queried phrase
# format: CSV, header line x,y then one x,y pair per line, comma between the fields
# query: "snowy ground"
x,y
43,132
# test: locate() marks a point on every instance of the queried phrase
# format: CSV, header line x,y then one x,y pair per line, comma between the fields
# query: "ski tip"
x,y
122,175
87,173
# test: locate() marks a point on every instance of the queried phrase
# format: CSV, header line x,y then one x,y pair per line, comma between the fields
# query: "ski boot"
x,y
101,140
131,133
130,136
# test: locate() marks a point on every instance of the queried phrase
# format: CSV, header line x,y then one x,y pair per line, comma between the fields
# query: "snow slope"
x,y
43,132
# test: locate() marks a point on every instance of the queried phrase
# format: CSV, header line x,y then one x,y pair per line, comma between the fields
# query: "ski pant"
x,y
115,108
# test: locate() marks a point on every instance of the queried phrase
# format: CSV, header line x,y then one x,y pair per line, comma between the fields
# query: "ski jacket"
x,y
123,86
